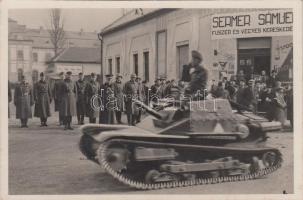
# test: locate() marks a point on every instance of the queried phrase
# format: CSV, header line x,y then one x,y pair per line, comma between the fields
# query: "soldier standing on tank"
x,y
106,115
23,100
131,92
80,83
68,106
92,102
118,91
57,96
198,76
43,98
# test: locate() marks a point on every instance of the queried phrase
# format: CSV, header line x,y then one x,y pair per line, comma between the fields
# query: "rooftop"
x,y
79,55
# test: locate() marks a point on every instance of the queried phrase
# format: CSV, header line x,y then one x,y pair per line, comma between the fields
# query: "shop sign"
x,y
252,24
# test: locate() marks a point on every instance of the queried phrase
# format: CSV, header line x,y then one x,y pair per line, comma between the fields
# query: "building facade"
x,y
30,50
159,41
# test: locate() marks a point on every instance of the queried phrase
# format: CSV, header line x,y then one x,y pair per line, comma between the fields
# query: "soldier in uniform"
x,y
106,115
57,97
141,97
154,90
80,83
43,98
68,106
131,92
118,91
92,102
23,100
198,75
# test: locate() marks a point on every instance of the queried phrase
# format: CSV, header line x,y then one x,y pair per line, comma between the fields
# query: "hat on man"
x,y
41,74
119,75
133,76
251,81
108,75
162,77
69,73
196,54
80,74
92,74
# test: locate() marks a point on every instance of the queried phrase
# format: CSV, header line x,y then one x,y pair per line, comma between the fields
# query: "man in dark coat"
x,y
118,91
232,89
249,96
198,76
154,90
80,83
91,91
272,79
68,106
106,115
241,77
23,100
57,96
240,93
43,98
131,92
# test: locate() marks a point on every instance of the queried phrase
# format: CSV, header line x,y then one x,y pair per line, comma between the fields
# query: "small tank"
x,y
184,144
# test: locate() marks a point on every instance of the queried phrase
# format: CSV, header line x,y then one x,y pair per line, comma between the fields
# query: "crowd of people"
x,y
108,101
262,94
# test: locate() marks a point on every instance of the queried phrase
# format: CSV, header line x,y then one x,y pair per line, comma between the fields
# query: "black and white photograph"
x,y
153,100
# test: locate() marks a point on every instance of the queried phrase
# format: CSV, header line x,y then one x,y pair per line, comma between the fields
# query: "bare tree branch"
x,y
56,31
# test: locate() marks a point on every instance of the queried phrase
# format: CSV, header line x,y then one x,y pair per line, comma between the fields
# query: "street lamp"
x,y
100,37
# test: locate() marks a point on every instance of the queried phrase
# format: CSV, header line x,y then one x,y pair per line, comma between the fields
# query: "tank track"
x,y
101,152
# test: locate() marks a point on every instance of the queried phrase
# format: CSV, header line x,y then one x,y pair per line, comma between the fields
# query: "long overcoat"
x,y
107,104
69,97
81,101
118,91
23,100
131,91
91,98
43,97
59,84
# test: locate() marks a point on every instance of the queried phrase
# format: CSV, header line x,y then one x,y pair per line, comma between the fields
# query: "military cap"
x,y
80,73
133,76
61,73
69,73
109,75
41,74
196,54
251,81
119,75
22,77
92,74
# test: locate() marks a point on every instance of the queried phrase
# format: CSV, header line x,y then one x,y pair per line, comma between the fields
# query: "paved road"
x,y
47,161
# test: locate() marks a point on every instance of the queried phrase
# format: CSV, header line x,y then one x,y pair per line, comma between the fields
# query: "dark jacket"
x,y
131,91
198,80
118,92
106,115
81,107
57,93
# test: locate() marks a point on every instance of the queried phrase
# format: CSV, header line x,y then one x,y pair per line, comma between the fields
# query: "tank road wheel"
x,y
154,176
255,166
269,159
117,157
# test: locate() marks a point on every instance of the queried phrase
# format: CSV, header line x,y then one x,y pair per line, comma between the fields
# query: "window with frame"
x,y
135,61
146,65
20,55
110,66
35,57
118,65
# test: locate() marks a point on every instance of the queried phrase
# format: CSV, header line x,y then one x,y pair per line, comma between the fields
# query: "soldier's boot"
x,y
22,123
45,120
79,119
118,117
25,123
41,121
